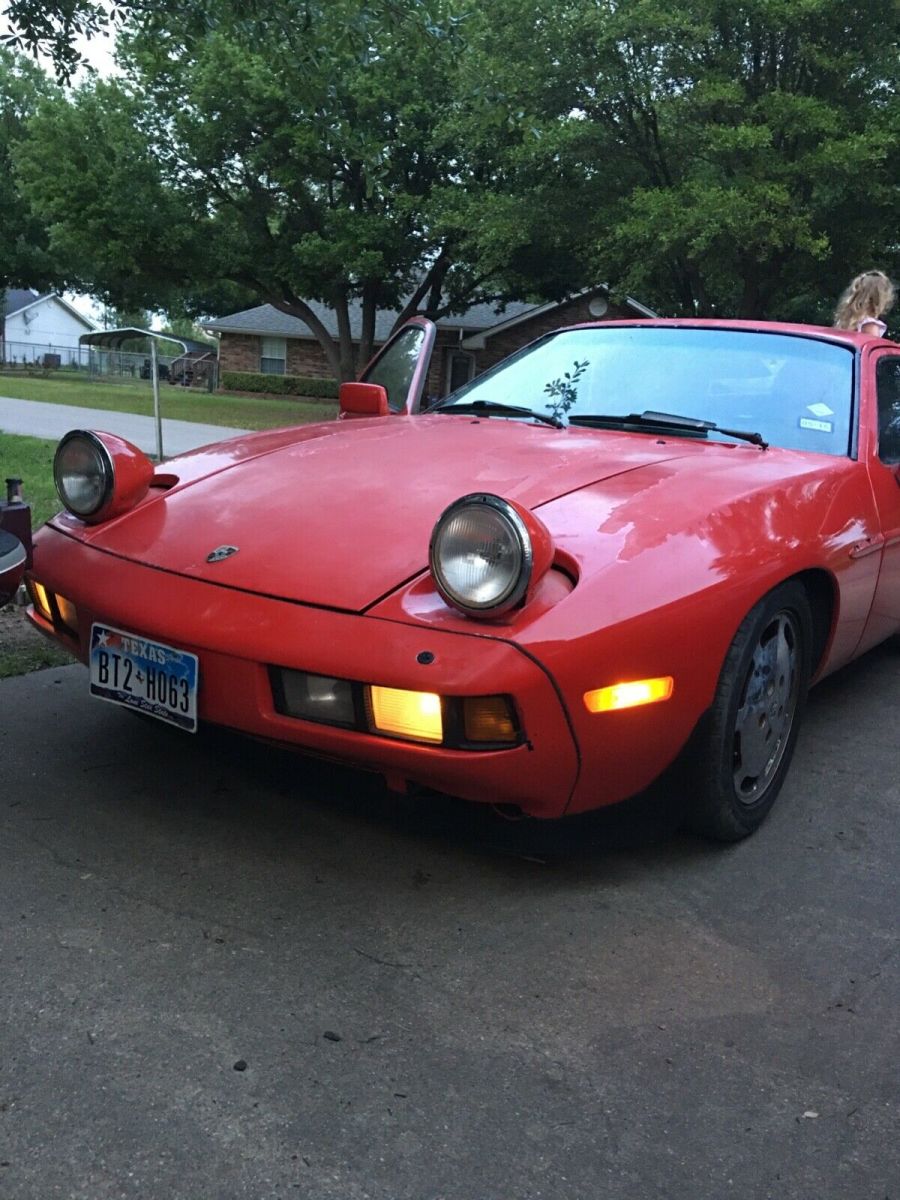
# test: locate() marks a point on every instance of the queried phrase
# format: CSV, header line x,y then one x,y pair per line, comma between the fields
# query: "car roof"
x,y
820,332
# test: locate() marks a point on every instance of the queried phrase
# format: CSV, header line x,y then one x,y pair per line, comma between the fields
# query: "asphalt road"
x,y
226,972
37,419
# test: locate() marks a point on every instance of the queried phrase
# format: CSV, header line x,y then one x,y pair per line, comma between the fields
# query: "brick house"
x,y
264,339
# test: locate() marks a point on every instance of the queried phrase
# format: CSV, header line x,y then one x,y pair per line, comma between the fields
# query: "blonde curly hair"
x,y
869,295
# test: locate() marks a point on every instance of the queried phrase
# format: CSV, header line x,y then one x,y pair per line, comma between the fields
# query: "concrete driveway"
x,y
37,419
226,972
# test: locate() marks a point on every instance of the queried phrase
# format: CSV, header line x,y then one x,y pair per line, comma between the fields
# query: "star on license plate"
x,y
149,677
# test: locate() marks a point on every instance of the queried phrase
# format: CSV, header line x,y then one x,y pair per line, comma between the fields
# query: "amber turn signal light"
x,y
489,719
629,695
39,598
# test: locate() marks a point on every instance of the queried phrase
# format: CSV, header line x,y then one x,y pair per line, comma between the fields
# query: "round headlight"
x,y
481,555
84,473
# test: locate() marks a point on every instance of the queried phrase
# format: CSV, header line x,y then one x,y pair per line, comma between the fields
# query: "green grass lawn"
x,y
31,460
36,655
181,404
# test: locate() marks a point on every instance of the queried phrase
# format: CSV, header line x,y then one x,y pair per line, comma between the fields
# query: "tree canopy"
x,y
717,157
293,154
25,256
730,157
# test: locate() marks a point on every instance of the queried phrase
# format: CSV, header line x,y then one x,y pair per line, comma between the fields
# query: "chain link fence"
x,y
91,362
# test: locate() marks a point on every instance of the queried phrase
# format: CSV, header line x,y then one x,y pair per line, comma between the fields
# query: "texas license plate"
x,y
149,677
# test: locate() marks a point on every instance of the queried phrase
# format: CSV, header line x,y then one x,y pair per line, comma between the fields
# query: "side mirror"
x,y
362,400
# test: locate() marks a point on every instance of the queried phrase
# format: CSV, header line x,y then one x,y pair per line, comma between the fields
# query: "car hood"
x,y
339,515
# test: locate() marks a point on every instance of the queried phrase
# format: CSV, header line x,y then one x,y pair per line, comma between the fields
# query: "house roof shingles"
x,y
15,299
266,321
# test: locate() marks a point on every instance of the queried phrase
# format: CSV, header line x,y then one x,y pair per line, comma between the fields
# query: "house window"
x,y
273,355
460,369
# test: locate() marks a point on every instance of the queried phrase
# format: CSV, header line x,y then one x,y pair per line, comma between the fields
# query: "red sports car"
x,y
628,546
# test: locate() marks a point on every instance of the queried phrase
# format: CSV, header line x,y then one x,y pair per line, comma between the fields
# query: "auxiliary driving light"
x,y
629,695
453,722
316,698
413,715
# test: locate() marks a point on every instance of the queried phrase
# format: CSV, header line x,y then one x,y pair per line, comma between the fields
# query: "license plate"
x,y
149,677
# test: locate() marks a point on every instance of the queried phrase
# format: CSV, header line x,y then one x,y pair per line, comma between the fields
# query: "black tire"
x,y
740,755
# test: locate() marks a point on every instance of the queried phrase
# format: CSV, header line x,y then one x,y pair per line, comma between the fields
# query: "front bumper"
x,y
238,635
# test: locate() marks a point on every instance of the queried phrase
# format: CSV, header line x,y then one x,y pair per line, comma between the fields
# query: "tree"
x,y
730,157
294,153
51,29
25,257
186,328
122,318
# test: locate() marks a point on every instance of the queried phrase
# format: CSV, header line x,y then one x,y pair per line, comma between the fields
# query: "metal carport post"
x,y
114,339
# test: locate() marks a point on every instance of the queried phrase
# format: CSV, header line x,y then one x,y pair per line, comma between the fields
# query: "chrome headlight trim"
x,y
106,472
514,592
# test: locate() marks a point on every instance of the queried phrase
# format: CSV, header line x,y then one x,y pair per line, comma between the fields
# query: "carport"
x,y
148,339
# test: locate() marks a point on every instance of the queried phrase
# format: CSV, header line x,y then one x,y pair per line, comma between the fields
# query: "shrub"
x,y
279,385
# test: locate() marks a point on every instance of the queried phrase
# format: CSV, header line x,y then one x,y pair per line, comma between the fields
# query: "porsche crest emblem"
x,y
220,553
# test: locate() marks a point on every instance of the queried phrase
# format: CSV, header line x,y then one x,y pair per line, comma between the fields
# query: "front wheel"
x,y
743,749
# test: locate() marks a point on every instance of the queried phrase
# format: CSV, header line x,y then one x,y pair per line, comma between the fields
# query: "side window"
x,y
395,369
888,382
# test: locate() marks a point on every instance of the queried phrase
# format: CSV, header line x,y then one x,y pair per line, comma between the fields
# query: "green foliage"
x,y
563,392
279,385
93,177
292,152
123,318
51,28
25,257
731,158
187,328
728,157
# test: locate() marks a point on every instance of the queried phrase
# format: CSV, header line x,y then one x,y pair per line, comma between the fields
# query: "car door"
x,y
401,366
881,427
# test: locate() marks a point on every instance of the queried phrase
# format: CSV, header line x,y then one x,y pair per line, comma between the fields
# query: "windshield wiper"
x,y
493,408
662,422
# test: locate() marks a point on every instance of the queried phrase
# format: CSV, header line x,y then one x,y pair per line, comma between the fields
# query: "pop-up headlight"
x,y
100,475
485,554
84,473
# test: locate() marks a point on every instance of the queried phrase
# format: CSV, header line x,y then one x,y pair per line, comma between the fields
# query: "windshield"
x,y
795,391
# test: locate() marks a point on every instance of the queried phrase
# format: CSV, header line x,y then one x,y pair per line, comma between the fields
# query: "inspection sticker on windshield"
x,y
821,426
820,410
149,677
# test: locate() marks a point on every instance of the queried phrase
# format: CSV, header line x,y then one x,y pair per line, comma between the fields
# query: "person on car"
x,y
863,304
